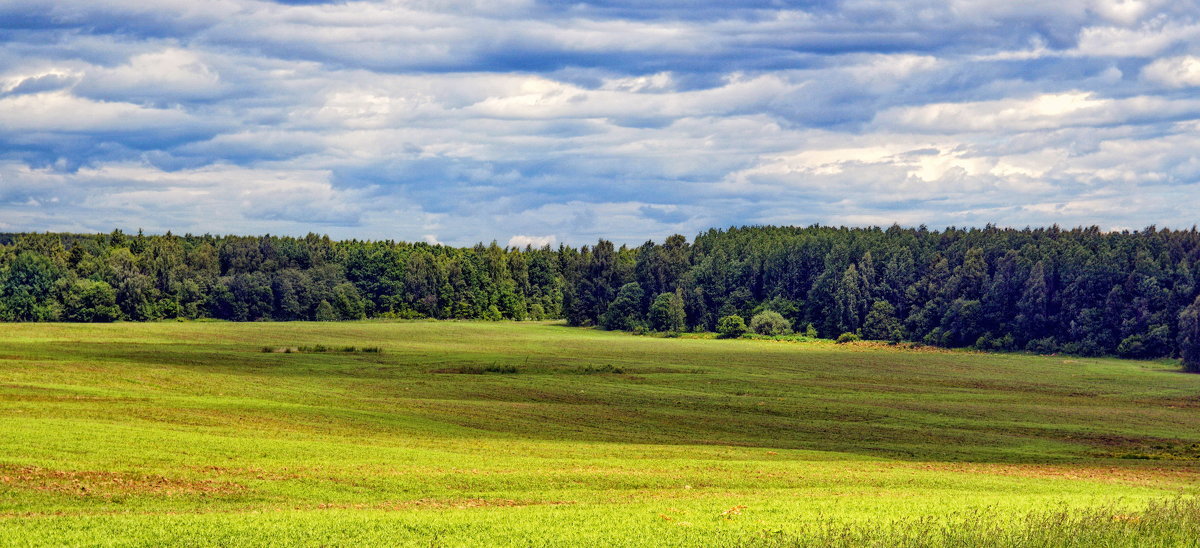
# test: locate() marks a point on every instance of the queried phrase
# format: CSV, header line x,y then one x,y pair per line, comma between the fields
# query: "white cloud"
x,y
1175,72
521,240
1147,40
171,73
541,98
48,79
1125,12
62,111
462,122
1041,112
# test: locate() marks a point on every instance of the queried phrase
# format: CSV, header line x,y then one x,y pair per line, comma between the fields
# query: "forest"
x,y
1078,291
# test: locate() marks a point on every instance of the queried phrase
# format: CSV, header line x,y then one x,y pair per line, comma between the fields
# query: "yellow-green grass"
x,y
189,433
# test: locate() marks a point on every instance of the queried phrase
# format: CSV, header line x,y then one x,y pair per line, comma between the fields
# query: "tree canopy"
x,y
1080,291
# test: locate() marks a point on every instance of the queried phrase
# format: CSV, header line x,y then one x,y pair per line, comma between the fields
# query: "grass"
x,y
460,433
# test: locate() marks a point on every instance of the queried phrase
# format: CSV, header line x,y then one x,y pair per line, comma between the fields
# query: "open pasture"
x,y
478,433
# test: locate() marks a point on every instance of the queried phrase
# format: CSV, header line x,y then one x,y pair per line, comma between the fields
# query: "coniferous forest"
x,y
1079,291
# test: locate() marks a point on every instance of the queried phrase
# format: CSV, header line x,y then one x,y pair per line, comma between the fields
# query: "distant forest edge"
x,y
1079,291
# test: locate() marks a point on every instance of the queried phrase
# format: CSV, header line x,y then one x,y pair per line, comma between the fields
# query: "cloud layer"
x,y
532,122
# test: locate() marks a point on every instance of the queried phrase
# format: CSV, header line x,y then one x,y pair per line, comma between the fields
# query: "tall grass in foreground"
x,y
1174,522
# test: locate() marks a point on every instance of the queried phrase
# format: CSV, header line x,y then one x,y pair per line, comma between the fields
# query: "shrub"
x,y
770,323
810,331
1087,347
537,312
1045,345
731,326
1154,343
847,337
606,368
1132,346
320,348
987,342
1080,348
937,337
492,314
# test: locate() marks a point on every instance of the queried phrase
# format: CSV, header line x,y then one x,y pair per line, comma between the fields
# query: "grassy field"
x,y
539,434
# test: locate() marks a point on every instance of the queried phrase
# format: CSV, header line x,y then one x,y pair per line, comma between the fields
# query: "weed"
x,y
606,368
346,349
480,369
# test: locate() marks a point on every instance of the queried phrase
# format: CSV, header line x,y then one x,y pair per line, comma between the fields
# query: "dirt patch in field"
x,y
250,471
89,483
1161,451
26,392
1186,402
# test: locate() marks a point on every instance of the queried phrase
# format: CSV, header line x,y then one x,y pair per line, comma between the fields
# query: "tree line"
x,y
1080,291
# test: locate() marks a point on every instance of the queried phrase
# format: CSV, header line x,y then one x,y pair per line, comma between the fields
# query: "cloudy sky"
x,y
532,121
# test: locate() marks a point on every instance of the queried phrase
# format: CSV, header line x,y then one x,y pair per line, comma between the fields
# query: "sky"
x,y
535,122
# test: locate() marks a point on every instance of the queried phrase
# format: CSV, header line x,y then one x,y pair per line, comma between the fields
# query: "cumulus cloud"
x,y
522,240
170,74
1175,72
536,122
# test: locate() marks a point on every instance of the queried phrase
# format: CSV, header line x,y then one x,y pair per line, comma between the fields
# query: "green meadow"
x,y
538,434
